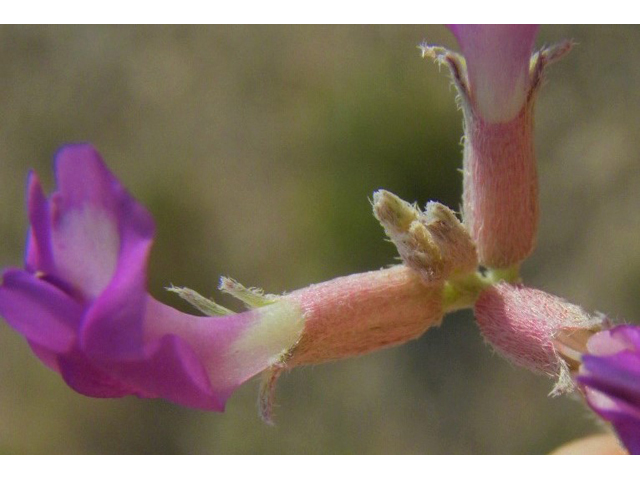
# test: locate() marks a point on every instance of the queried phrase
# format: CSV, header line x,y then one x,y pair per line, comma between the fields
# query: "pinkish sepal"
x,y
361,313
524,325
500,188
433,243
355,315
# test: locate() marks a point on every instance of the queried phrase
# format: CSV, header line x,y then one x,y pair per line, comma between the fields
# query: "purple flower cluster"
x,y
81,299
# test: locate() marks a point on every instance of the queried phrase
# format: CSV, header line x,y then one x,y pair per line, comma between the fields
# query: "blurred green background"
x,y
257,149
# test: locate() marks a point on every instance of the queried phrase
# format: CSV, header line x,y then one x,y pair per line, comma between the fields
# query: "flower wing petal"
x,y
113,329
617,376
171,370
624,417
618,339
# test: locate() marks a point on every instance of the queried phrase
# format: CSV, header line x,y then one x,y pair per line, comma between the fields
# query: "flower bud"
x,y
434,243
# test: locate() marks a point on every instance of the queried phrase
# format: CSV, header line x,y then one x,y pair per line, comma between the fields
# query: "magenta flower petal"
x,y
174,372
255,333
618,339
39,311
610,376
113,327
618,375
94,221
628,429
39,256
497,59
102,238
83,375
169,370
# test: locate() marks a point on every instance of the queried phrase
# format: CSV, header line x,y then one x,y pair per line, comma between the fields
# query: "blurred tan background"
x,y
256,149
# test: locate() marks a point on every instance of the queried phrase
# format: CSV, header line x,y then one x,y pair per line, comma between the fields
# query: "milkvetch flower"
x,y
610,377
81,303
497,81
433,243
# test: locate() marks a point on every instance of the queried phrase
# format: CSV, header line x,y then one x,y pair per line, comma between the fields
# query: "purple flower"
x,y
610,376
81,303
